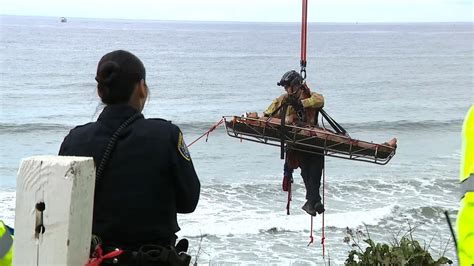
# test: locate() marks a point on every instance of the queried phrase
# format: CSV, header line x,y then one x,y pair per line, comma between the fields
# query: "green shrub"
x,y
403,251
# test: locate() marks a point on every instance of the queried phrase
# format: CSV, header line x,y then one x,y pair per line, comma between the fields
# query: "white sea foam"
x,y
251,222
7,207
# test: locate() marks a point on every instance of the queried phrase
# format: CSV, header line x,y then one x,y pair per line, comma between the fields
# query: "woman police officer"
x,y
144,170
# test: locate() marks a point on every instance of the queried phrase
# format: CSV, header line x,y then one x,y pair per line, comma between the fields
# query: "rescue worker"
x,y
465,219
6,245
146,176
302,108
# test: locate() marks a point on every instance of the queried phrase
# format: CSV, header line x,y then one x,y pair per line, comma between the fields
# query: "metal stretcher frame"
x,y
309,140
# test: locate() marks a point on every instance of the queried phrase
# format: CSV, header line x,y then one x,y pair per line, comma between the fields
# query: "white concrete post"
x,y
53,216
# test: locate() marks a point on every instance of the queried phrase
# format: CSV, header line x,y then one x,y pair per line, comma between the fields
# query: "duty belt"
x,y
150,255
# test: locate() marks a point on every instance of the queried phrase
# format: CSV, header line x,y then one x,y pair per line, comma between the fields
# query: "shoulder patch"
x,y
183,148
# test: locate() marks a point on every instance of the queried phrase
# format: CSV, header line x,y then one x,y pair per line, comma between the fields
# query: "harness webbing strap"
x,y
338,128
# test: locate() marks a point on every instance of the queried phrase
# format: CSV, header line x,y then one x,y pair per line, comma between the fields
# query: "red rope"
x,y
289,197
311,238
304,24
323,236
208,131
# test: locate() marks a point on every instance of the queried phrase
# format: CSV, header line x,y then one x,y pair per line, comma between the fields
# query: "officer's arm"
x,y
187,184
315,101
273,106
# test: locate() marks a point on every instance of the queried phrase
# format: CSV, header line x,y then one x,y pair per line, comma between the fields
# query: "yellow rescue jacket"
x,y
465,219
310,104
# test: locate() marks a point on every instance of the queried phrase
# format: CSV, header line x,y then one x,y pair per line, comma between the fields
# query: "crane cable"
x,y
304,27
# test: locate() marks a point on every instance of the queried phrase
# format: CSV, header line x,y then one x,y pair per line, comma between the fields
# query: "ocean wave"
x,y
197,126
203,126
420,218
424,213
247,223
14,128
404,125
400,125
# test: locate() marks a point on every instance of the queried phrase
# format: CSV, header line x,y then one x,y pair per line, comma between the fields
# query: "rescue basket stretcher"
x,y
307,139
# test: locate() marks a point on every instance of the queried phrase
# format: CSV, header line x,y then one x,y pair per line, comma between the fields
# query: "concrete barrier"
x,y
53,216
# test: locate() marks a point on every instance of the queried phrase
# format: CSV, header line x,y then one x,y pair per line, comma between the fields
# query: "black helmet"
x,y
290,78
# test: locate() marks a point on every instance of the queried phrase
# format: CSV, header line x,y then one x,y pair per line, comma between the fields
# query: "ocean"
x,y
410,81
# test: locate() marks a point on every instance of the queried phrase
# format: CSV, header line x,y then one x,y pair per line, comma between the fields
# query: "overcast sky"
x,y
249,10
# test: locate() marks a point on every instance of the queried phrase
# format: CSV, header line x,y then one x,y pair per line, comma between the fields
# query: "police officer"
x,y
6,245
465,219
145,175
303,107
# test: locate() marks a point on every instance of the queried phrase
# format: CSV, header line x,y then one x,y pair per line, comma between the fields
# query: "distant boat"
x,y
63,20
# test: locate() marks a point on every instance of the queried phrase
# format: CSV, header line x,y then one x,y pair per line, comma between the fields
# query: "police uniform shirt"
x,y
149,177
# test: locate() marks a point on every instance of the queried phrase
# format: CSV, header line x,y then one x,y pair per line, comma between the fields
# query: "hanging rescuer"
x,y
302,107
465,219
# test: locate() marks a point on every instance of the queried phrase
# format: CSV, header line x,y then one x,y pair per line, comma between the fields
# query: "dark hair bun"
x,y
117,74
108,73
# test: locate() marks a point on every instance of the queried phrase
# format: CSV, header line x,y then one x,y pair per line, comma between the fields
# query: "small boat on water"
x,y
63,20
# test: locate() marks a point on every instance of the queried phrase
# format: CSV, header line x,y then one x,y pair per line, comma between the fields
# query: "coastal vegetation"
x,y
401,250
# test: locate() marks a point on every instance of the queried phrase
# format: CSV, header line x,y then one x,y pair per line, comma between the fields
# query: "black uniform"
x,y
149,178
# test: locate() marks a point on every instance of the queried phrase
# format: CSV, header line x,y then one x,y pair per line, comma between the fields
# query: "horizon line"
x,y
231,21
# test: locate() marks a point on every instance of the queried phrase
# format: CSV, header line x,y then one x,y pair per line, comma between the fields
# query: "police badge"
x,y
183,148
